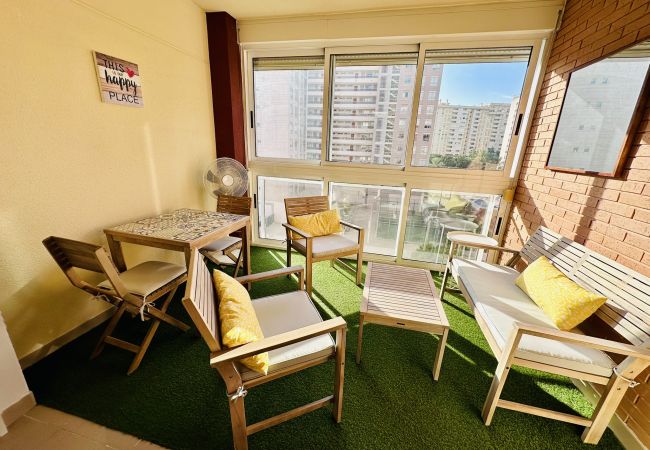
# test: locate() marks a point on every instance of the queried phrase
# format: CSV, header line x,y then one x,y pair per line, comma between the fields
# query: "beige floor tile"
x,y
27,433
66,440
84,427
49,415
146,445
47,428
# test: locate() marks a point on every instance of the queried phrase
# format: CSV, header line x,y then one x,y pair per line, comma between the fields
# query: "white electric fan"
x,y
226,176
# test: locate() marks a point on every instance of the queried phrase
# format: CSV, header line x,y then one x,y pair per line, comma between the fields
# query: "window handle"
x,y
252,119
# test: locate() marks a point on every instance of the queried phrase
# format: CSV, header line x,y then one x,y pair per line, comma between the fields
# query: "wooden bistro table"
x,y
403,297
182,230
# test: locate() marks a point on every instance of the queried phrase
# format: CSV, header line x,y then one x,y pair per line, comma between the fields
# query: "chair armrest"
x,y
297,231
587,341
277,341
271,274
351,225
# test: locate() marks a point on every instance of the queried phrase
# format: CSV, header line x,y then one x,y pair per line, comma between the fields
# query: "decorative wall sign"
x,y
119,81
602,107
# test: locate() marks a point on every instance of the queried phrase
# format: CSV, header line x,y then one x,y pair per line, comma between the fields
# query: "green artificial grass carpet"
x,y
390,401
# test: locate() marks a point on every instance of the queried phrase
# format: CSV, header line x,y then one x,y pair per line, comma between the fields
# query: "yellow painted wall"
x,y
72,165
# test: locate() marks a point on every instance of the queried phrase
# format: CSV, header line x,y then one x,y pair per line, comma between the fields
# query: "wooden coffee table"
x,y
403,297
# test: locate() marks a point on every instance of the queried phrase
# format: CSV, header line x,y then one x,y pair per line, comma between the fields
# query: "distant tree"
x,y
453,161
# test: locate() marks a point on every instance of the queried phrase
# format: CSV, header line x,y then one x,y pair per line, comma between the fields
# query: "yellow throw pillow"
x,y
566,303
318,224
238,321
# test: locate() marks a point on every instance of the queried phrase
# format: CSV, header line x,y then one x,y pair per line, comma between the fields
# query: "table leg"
x,y
115,248
360,338
442,342
188,255
246,248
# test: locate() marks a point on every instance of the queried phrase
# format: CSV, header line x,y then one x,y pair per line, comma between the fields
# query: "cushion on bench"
x,y
501,303
286,312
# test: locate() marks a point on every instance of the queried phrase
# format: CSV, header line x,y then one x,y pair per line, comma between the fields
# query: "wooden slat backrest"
x,y
201,301
306,205
234,205
68,254
627,309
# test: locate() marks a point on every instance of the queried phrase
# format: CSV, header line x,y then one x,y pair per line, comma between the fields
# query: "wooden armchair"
x,y
296,338
320,248
134,290
227,250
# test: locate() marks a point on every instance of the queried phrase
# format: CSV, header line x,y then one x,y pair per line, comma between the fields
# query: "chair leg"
x,y
494,393
445,276
150,334
332,262
359,267
359,339
109,329
500,375
238,264
337,408
288,251
309,270
605,409
443,285
238,423
143,347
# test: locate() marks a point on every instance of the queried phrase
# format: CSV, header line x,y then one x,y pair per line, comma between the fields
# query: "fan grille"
x,y
226,176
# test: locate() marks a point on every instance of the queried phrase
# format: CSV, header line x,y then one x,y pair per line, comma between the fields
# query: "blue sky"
x,y
472,84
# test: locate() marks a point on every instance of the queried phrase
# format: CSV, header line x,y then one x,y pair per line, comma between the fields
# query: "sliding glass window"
x,y
271,192
410,141
376,208
469,104
288,115
433,214
370,107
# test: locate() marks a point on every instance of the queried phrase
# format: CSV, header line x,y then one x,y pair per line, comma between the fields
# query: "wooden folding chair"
x,y
227,250
296,338
320,248
133,291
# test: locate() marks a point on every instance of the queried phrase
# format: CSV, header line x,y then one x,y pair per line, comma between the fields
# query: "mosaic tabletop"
x,y
179,225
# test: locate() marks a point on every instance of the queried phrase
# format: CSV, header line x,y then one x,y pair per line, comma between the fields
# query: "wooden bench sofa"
x,y
520,334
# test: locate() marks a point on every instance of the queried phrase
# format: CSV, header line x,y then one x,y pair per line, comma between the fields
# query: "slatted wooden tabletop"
x,y
403,297
396,292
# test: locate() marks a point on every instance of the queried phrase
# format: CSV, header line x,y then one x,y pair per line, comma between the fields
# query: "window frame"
x,y
328,92
408,177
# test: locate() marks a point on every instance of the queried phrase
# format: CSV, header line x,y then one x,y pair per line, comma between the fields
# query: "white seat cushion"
x,y
501,303
327,245
221,244
219,258
287,312
147,277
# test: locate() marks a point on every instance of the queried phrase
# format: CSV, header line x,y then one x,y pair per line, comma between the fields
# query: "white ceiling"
x,y
246,9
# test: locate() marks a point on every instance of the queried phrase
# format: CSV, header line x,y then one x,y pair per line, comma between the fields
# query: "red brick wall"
x,y
610,216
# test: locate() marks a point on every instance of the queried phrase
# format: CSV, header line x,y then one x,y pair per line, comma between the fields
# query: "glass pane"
x,y
288,108
376,208
372,97
271,193
432,214
468,107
